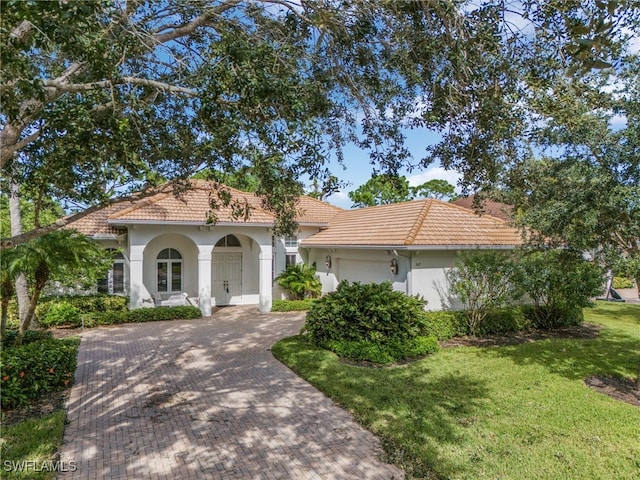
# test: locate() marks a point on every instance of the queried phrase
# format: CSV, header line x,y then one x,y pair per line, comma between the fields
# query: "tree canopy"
x,y
103,98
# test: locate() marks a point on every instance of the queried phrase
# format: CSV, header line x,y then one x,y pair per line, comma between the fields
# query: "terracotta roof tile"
x,y
192,206
417,223
488,207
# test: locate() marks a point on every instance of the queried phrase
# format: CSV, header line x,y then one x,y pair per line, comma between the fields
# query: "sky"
x,y
358,169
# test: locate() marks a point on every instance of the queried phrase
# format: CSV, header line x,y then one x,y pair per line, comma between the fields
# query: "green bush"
x,y
384,353
548,317
300,282
85,303
291,305
142,315
446,324
622,282
364,312
505,320
62,313
30,336
31,370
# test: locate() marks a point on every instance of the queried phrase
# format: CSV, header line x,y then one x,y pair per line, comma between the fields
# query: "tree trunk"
x,y
638,379
22,288
3,319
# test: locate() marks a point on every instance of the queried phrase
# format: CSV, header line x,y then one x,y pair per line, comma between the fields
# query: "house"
x,y
167,247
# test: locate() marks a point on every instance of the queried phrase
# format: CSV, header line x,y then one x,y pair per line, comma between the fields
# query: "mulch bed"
x,y
45,405
582,332
620,388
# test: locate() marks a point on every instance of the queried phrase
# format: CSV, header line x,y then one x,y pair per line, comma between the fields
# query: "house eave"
x,y
121,223
410,247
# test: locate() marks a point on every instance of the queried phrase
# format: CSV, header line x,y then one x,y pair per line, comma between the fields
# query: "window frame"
x,y
169,272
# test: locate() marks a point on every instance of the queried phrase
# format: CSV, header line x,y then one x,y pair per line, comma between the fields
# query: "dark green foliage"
x,y
370,322
300,282
370,312
546,317
142,315
291,305
30,370
387,352
29,337
505,320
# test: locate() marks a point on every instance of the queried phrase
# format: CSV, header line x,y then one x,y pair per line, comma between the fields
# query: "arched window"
x,y
169,268
114,281
228,241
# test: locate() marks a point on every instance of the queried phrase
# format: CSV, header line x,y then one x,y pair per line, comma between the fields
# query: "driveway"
x,y
206,399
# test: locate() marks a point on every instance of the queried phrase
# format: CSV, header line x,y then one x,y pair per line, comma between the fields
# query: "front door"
x,y
227,278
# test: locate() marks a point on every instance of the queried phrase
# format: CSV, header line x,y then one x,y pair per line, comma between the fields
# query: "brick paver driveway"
x,y
206,399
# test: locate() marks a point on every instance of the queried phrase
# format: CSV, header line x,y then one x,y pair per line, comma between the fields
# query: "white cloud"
x,y
435,173
340,199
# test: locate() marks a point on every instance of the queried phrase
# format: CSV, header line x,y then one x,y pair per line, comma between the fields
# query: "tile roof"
x,y
419,223
192,206
488,207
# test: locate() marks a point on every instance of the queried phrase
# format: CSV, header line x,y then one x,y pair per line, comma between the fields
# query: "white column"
x,y
266,286
204,278
136,290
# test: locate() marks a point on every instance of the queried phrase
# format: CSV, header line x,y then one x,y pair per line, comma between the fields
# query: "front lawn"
x,y
512,412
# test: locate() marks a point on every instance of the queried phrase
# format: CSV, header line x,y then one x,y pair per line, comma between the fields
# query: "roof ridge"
x,y
420,218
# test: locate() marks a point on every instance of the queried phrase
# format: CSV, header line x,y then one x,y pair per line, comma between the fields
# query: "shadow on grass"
x,y
614,352
413,410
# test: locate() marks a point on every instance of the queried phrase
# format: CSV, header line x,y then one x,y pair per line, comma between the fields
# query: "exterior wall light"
x,y
327,261
393,266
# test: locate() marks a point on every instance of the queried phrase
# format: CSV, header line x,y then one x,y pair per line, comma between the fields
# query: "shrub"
x,y
85,303
364,312
291,305
446,324
30,370
622,282
482,279
560,283
30,336
62,313
384,353
505,320
300,281
143,315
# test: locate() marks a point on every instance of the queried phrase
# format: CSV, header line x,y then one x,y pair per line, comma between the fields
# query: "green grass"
x,y
515,412
32,444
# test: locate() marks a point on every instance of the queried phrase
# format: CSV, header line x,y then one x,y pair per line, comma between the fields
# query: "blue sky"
x,y
358,169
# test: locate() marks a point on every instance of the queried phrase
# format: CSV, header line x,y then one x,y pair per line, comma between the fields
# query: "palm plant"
x,y
300,282
59,254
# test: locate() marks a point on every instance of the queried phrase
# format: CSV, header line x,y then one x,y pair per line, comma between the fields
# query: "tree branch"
x,y
84,87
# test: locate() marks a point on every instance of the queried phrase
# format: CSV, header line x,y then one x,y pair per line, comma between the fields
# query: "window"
x,y
114,281
228,241
290,259
169,270
291,241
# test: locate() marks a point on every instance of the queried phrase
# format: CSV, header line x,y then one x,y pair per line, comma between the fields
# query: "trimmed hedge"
x,y
446,324
142,315
31,370
85,303
291,305
30,336
385,353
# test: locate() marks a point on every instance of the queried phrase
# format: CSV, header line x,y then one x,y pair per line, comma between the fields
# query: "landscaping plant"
x,y
300,282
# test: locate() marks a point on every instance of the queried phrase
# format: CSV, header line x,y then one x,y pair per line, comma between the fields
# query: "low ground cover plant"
x,y
38,366
291,305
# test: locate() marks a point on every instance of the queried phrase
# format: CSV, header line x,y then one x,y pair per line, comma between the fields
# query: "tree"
x,y
436,188
59,255
482,279
381,189
104,97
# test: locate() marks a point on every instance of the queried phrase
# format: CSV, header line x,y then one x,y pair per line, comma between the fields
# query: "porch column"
x,y
136,277
266,288
204,278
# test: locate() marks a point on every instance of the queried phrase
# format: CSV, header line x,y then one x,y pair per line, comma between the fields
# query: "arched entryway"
x,y
226,271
